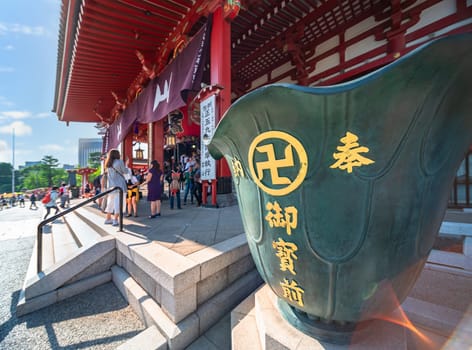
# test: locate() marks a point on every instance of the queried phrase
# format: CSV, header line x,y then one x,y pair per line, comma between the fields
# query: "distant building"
x,y
28,164
68,166
87,146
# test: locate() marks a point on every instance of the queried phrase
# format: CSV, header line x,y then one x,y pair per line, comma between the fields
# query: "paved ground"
x,y
100,318
97,319
186,230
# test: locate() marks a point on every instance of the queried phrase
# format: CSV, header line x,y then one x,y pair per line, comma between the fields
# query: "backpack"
x,y
175,184
47,198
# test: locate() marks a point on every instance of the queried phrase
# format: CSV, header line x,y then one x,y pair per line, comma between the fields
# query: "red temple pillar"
x,y
220,74
221,71
128,149
157,143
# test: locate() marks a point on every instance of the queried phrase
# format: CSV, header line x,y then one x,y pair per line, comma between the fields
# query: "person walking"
x,y
154,181
188,180
33,201
197,184
64,195
116,170
54,194
21,200
175,187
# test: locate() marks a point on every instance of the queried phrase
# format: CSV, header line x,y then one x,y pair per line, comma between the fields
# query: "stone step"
x,y
95,220
48,256
446,280
65,242
72,263
439,319
180,283
183,333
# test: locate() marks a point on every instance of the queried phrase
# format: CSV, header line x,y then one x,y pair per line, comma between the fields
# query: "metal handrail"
x,y
67,211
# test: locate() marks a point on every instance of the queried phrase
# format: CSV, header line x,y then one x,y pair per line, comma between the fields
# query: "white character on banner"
x,y
164,95
119,131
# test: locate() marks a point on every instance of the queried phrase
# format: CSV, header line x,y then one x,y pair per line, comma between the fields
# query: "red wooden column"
x,y
128,149
220,74
221,70
156,144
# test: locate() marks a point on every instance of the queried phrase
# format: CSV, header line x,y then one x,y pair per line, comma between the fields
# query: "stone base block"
x,y
259,312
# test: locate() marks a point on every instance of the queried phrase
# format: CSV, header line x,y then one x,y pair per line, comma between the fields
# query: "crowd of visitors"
x,y
181,178
183,184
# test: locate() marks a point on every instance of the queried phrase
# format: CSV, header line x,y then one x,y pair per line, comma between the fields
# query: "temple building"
x,y
159,75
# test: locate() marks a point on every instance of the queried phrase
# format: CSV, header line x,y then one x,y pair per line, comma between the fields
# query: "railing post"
x,y
62,213
121,208
39,251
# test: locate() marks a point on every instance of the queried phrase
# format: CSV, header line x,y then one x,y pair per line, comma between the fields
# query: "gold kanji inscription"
x,y
349,154
286,254
278,217
237,167
292,291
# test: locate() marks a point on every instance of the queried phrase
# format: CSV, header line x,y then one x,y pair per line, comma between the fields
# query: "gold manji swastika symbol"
x,y
267,171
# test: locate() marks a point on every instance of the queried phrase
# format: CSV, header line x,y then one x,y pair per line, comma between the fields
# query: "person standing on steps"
x,y
133,194
116,170
154,181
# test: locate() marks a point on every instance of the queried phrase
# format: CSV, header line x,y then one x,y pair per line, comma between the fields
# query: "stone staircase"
x,y
77,255
177,297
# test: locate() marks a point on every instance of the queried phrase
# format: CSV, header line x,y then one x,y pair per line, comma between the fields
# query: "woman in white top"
x,y
116,170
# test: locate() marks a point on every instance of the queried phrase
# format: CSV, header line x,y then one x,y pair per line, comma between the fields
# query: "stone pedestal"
x,y
257,324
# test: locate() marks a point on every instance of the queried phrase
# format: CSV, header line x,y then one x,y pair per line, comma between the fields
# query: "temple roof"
x,y
108,50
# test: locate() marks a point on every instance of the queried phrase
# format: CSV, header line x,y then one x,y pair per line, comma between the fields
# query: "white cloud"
x,y
43,115
8,48
21,29
6,70
21,129
51,148
14,114
5,102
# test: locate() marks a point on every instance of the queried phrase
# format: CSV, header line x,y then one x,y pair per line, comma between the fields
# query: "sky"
x,y
29,32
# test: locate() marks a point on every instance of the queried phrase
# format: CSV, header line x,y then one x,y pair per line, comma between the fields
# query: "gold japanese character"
x,y
292,291
349,154
237,168
286,218
286,254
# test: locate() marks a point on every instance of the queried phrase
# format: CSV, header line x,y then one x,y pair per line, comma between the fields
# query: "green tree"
x,y
34,177
60,176
5,177
94,159
49,164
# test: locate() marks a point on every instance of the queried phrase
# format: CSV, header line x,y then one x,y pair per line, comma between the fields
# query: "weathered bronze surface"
x,y
342,189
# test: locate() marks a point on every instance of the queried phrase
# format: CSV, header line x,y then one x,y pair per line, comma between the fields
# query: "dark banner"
x,y
119,129
167,92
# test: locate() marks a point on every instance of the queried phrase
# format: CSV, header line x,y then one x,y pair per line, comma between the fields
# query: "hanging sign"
x,y
207,128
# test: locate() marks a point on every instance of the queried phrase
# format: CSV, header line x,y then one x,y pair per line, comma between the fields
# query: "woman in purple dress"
x,y
154,180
